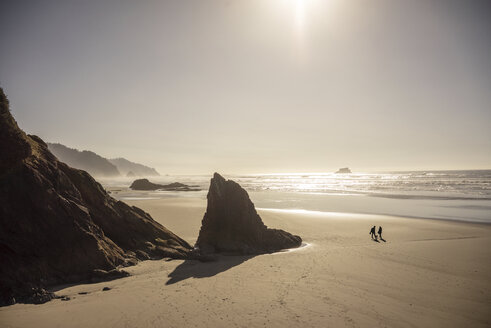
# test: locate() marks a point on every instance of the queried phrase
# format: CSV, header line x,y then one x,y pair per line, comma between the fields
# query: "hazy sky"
x,y
255,86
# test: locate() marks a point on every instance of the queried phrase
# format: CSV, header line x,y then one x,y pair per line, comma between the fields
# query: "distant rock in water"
x,y
58,225
130,174
125,166
85,160
144,184
343,170
232,225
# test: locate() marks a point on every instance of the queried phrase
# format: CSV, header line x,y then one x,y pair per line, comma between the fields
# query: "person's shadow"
x,y
197,269
382,239
375,240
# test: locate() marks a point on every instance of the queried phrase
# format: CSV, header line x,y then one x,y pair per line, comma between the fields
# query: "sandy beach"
x,y
428,273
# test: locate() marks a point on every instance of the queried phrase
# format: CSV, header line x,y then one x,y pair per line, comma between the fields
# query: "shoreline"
x,y
471,211
326,213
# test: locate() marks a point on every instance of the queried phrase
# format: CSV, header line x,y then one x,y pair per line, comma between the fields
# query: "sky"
x,y
255,86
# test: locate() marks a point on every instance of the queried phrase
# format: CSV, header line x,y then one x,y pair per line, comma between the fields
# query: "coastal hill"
x,y
86,160
60,226
97,165
125,167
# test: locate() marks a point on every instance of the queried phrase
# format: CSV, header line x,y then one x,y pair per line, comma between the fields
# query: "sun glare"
x,y
300,14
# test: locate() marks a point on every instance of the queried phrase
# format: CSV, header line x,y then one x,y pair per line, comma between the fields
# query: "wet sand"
x,y
428,273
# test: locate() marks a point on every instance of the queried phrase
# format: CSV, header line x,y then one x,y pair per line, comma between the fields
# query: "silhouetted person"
x,y
372,233
380,234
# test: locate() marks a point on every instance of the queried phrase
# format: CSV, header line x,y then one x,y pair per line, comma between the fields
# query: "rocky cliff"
x,y
58,225
232,225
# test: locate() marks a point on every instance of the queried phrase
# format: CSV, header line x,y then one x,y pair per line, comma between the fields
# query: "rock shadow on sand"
x,y
198,269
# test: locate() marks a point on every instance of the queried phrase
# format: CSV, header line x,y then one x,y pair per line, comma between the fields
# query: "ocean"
x,y
449,195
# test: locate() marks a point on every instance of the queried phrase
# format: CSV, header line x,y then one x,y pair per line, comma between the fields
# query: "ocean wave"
x,y
451,185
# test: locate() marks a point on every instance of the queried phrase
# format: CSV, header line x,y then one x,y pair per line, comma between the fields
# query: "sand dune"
x,y
428,274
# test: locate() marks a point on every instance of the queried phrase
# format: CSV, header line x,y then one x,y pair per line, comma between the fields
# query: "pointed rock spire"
x,y
232,225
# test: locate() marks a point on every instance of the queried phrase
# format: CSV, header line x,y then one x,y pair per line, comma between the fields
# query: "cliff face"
x,y
232,225
59,225
84,160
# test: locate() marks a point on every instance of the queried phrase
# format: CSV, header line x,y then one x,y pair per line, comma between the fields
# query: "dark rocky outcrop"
x,y
232,225
344,170
125,166
144,184
58,225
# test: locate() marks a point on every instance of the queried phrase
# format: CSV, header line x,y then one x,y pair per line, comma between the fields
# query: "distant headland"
x,y
99,166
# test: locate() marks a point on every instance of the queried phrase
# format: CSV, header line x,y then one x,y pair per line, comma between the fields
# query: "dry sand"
x,y
428,274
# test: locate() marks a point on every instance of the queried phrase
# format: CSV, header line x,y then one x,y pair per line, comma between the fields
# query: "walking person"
x,y
372,233
380,233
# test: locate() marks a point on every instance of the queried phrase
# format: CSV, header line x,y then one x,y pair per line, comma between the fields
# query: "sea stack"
x,y
144,184
343,170
58,225
231,224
